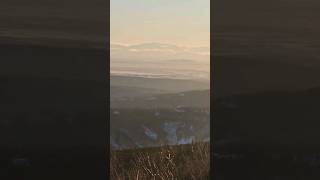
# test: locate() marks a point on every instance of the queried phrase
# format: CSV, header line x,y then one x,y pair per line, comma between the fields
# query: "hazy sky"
x,y
179,22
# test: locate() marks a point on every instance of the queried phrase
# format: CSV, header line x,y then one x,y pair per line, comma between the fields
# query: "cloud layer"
x,y
158,51
160,60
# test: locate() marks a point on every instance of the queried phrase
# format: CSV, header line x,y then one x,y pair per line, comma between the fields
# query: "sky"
x,y
178,22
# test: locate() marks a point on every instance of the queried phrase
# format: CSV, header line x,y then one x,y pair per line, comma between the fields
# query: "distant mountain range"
x,y
158,84
159,51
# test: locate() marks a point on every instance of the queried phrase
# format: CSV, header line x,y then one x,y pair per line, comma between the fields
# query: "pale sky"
x,y
178,22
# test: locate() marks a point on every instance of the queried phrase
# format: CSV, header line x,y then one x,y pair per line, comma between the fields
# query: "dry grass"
x,y
186,162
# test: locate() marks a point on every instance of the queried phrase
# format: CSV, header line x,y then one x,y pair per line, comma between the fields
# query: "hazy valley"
x,y
158,114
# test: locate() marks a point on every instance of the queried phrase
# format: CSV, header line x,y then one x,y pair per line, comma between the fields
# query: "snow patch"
x,y
157,113
151,134
191,128
186,140
179,109
151,98
171,129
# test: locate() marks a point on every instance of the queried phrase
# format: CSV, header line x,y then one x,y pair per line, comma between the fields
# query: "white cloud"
x,y
159,51
160,60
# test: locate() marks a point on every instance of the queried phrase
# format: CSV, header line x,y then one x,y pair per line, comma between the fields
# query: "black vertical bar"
x,y
54,71
211,96
108,95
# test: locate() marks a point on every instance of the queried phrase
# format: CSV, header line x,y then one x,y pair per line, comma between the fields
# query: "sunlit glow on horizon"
x,y
178,22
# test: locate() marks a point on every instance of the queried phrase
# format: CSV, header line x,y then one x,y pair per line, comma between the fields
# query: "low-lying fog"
x,y
156,60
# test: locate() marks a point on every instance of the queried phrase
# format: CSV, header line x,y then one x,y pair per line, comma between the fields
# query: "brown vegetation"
x,y
168,162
